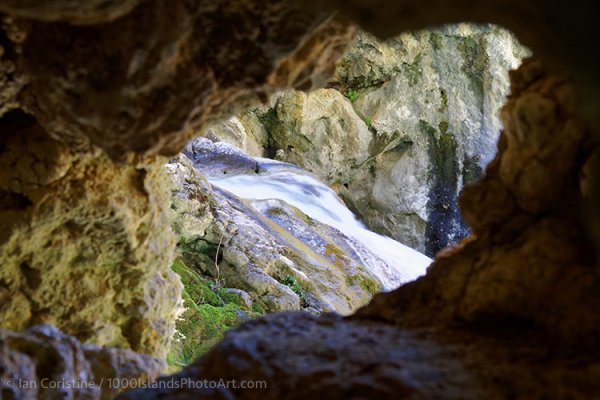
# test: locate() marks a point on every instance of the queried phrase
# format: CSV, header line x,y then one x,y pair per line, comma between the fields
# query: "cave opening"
x,y
350,179
106,245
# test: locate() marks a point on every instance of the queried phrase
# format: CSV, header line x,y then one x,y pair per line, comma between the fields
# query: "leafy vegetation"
x,y
352,95
293,284
209,312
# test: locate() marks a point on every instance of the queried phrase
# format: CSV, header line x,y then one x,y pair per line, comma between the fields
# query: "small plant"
x,y
352,95
368,121
293,284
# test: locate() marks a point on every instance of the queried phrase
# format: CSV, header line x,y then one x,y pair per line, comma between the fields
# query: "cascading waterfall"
x,y
256,179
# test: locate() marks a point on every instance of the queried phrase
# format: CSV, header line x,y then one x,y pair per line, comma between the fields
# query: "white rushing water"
x,y
298,188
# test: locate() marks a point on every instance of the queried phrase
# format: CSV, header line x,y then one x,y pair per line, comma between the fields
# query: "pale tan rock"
x,y
95,266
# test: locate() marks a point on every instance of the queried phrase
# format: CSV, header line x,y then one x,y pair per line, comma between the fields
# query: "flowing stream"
x,y
254,178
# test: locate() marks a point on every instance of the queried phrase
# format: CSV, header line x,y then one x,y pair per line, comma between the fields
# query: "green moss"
x,y
436,40
208,315
337,255
352,95
442,152
259,307
333,250
293,284
368,121
197,288
443,126
427,129
475,61
414,71
368,284
444,101
268,119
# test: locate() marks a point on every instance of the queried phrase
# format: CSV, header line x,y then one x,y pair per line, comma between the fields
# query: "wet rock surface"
x,y
283,258
528,268
405,125
526,227
86,242
522,288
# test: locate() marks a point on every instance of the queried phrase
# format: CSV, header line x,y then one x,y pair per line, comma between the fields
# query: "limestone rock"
x,y
116,370
81,12
521,292
298,356
409,122
256,246
44,363
150,83
246,132
529,260
85,242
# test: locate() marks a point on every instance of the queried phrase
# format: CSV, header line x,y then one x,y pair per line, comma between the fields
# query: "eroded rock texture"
x,y
405,125
44,363
529,259
155,76
255,245
85,242
166,68
522,290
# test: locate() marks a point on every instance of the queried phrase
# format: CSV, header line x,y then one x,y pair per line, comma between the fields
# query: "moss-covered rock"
x,y
209,312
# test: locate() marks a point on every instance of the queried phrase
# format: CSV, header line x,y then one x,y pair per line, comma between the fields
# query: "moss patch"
x,y
367,283
414,71
436,40
209,313
293,284
443,101
475,61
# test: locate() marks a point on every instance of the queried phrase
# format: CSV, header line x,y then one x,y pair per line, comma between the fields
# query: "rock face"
x,y
284,259
527,205
331,367
44,363
156,64
410,121
515,303
527,271
86,243
63,238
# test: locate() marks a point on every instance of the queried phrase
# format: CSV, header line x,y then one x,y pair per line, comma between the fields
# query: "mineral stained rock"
x,y
530,258
163,71
85,240
513,307
407,123
147,81
263,244
44,363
